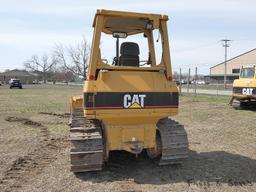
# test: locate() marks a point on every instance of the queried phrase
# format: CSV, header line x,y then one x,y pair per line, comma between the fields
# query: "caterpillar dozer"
x,y
127,105
244,88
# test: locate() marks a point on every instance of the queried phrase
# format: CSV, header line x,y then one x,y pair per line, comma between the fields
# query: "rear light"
x,y
169,78
92,77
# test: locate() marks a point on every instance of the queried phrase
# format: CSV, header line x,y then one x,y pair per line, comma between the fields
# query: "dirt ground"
x,y
34,148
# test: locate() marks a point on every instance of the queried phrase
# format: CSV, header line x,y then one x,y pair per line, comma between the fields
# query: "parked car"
x,y
177,82
35,82
201,82
15,83
185,82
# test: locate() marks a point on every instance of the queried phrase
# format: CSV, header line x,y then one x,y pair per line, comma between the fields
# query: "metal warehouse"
x,y
233,66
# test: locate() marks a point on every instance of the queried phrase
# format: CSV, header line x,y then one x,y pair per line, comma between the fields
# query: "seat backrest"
x,y
129,54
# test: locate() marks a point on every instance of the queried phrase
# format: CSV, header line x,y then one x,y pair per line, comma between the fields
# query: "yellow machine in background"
x,y
244,88
126,105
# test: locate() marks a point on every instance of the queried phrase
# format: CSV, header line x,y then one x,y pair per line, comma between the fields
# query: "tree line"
x,y
72,61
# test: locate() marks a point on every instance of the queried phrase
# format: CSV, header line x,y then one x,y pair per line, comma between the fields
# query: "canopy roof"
x,y
129,22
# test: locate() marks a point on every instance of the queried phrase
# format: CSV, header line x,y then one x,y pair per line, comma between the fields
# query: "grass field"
x,y
34,148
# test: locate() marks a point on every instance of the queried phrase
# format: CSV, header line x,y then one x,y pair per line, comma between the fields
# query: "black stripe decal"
x,y
119,100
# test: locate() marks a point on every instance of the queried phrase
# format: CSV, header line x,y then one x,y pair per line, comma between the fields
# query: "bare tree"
x,y
62,74
43,64
74,58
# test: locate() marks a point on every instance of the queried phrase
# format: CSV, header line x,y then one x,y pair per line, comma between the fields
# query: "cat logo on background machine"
x,y
134,100
247,91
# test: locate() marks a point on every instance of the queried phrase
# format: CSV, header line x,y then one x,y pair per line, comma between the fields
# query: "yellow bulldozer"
x,y
127,105
244,88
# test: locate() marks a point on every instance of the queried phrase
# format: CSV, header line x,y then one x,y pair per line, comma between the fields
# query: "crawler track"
x,y
236,104
174,142
86,153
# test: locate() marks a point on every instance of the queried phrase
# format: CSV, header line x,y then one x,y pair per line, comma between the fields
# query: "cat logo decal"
x,y
134,101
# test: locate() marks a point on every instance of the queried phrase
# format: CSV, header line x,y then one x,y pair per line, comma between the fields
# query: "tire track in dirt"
x,y
61,115
24,168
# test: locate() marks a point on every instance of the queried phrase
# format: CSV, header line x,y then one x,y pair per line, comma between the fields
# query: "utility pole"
x,y
225,44
195,81
188,80
180,81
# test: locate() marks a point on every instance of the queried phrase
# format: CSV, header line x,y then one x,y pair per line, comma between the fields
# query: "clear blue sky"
x,y
196,27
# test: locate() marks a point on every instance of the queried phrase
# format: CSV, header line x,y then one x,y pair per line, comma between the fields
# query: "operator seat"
x,y
129,54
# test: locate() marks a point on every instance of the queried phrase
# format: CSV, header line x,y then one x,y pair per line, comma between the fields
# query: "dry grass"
x,y
222,143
